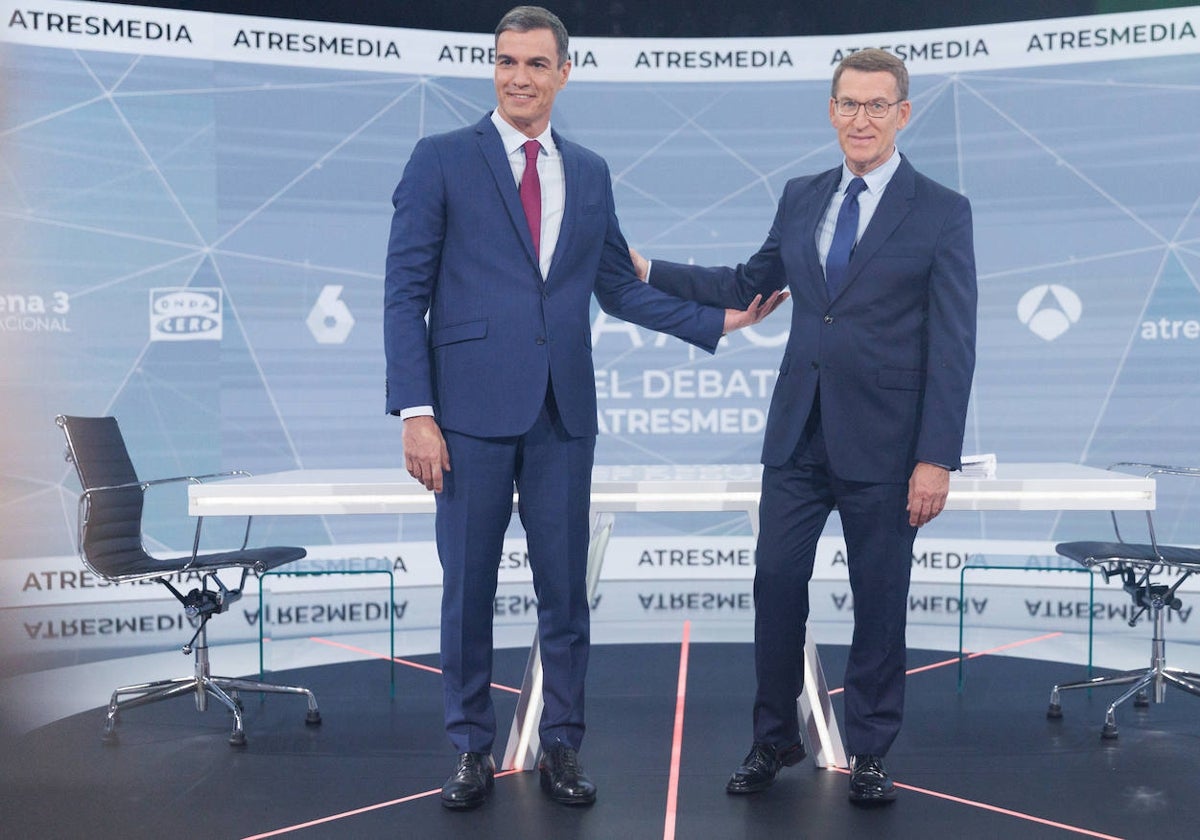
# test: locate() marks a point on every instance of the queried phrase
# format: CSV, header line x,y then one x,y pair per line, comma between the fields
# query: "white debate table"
x,y
665,488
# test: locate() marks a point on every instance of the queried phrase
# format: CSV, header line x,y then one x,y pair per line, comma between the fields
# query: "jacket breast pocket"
x,y
454,333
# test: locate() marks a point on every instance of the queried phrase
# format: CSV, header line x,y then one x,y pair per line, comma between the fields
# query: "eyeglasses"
x,y
876,108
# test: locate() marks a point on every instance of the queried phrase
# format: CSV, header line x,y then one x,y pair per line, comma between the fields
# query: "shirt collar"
x,y
513,139
877,179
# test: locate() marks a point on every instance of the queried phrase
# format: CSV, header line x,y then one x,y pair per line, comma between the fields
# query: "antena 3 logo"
x,y
1049,311
187,314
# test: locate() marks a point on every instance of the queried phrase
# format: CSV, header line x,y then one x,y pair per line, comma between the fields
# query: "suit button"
x,y
815,365
541,340
828,319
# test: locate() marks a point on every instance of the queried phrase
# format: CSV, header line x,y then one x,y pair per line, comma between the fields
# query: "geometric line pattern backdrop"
x,y
265,193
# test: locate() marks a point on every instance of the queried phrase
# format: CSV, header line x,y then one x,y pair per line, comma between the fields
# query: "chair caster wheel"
x,y
313,718
237,739
1109,732
1054,712
109,738
1141,700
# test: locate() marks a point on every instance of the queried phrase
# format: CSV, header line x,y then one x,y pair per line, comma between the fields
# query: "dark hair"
x,y
528,18
873,61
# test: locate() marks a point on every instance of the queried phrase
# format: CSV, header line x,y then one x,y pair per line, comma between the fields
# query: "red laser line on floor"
x,y
677,737
954,661
355,812
1087,832
407,662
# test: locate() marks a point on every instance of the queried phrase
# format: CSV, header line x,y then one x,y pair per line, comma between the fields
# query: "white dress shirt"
x,y
877,180
550,173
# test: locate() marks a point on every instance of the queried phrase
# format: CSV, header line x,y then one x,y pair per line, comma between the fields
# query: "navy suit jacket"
x,y
497,334
893,354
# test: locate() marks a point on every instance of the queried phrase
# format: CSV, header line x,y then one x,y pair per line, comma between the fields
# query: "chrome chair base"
x,y
202,684
1142,681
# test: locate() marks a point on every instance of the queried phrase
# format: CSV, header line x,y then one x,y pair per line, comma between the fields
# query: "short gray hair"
x,y
873,61
528,18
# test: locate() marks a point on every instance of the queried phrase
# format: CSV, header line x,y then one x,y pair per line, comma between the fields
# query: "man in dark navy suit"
x,y
868,411
502,233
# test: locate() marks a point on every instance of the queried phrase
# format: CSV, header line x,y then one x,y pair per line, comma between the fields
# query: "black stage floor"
x,y
985,763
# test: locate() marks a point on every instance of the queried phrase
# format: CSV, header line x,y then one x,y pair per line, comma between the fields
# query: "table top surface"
x,y
666,487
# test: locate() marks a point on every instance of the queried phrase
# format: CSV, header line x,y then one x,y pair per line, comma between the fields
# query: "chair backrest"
x,y
110,527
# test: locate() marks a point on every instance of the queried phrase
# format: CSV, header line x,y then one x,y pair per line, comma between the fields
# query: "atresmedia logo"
x,y
186,314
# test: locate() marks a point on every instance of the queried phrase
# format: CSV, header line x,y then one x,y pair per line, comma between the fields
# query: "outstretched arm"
x,y
758,309
735,319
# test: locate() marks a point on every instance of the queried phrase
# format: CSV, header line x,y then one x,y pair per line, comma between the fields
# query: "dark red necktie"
x,y
531,195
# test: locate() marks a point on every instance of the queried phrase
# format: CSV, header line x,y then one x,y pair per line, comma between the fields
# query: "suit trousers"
x,y
551,472
797,499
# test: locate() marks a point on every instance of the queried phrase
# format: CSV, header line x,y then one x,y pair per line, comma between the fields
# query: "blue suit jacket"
x,y
460,250
893,354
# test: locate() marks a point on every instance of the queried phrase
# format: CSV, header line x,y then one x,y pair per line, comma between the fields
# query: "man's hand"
x,y
928,487
641,265
758,309
425,453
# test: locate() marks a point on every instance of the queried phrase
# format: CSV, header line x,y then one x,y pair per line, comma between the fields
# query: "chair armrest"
x,y
1158,469
194,479
1150,470
143,486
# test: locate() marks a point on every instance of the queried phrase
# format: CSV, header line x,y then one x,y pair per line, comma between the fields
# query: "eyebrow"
x,y
507,57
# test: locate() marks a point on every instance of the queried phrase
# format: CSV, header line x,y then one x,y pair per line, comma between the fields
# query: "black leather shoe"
x,y
870,784
761,765
563,779
473,780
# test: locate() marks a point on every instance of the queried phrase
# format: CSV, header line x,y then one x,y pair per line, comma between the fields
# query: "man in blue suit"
x,y
502,233
868,410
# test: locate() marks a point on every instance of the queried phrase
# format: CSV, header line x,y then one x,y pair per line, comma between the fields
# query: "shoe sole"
x,y
870,799
740,790
464,804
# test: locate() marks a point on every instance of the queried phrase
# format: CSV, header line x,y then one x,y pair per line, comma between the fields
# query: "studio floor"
x,y
983,762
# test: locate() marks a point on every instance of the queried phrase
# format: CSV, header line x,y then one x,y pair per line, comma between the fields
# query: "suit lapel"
x,y
821,194
493,152
893,207
571,200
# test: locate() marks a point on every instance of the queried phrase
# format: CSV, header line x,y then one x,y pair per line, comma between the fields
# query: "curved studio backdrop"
x,y
195,209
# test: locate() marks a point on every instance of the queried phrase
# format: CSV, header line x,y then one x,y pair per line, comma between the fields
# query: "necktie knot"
x,y
533,147
855,186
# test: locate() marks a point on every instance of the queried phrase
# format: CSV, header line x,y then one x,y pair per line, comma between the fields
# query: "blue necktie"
x,y
838,258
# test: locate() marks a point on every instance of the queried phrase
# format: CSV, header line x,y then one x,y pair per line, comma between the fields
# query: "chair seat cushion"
x,y
1143,554
137,563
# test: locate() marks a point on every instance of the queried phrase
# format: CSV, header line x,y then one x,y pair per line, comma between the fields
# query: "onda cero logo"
x,y
187,314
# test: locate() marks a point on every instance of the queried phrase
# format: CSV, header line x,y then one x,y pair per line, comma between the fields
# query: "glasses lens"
x,y
877,108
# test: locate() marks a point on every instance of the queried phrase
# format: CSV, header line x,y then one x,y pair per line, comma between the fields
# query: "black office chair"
x,y
1136,564
110,543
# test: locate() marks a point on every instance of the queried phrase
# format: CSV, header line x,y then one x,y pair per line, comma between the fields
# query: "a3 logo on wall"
x,y
185,314
1049,310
